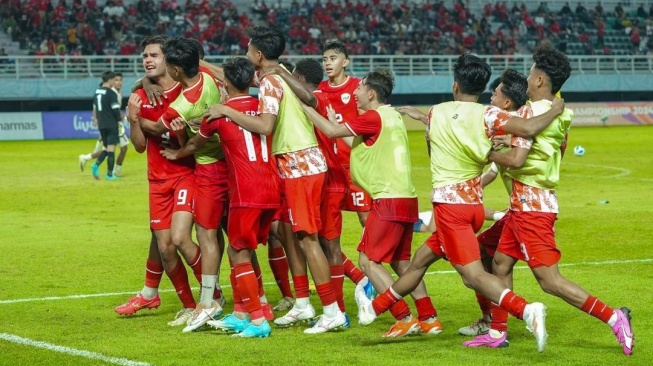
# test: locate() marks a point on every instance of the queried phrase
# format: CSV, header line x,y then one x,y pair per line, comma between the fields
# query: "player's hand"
x,y
558,105
177,124
500,142
215,111
413,113
155,94
133,107
169,154
195,123
331,114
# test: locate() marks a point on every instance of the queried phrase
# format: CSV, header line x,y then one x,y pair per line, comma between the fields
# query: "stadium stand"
x,y
370,27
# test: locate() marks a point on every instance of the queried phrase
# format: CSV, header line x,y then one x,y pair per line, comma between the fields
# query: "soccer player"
x,y
381,165
171,186
254,199
301,165
457,195
200,90
122,131
509,94
528,233
339,90
107,109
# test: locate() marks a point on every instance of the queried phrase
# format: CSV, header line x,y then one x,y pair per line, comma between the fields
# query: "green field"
x,y
73,248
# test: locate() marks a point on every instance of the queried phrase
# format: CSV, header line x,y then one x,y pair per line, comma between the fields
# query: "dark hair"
x,y
311,70
494,84
159,39
182,52
117,74
553,63
382,82
514,86
472,74
270,41
107,75
239,71
200,47
337,47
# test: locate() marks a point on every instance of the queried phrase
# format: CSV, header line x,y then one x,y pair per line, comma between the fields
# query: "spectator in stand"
x,y
566,9
618,11
599,9
641,12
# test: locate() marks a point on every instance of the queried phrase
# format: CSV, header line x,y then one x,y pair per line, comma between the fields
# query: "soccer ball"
x,y
579,150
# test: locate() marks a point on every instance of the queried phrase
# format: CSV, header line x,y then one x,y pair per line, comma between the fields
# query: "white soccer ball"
x,y
579,150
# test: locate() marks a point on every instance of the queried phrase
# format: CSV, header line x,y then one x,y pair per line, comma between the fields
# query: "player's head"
x,y
334,58
493,85
182,58
238,73
153,60
374,87
470,75
117,80
550,70
309,70
198,45
265,43
510,94
107,76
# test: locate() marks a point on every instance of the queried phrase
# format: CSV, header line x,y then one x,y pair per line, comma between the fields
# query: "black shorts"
x,y
109,136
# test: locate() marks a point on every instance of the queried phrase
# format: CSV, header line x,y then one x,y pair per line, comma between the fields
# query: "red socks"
x,y
385,301
597,309
153,274
484,304
425,308
248,288
279,265
326,293
338,279
301,286
354,274
196,265
514,304
179,279
499,318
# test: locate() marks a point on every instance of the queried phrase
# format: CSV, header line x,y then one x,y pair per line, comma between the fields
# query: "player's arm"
x,y
413,113
154,92
136,133
536,124
513,158
218,71
299,88
489,176
329,128
190,148
94,116
262,124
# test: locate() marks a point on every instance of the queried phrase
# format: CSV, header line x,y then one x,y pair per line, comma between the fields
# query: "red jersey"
x,y
336,180
158,167
343,102
253,181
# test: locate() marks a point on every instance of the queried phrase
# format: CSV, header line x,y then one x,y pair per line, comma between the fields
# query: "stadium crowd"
x,y
76,27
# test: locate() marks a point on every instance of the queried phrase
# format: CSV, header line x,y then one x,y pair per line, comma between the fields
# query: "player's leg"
x,y
279,265
104,136
112,141
329,236
148,297
124,146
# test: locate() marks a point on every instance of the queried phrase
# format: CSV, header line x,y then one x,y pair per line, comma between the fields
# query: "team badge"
x,y
345,97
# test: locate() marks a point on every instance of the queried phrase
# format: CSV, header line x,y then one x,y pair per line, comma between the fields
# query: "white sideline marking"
x,y
622,172
625,261
70,351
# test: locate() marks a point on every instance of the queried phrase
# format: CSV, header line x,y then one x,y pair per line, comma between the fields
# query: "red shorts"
x,y
358,200
249,227
282,211
489,238
529,236
457,226
303,196
211,188
434,244
387,238
331,215
169,196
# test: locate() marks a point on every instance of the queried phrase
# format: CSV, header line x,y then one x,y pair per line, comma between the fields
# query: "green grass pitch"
x,y
63,234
